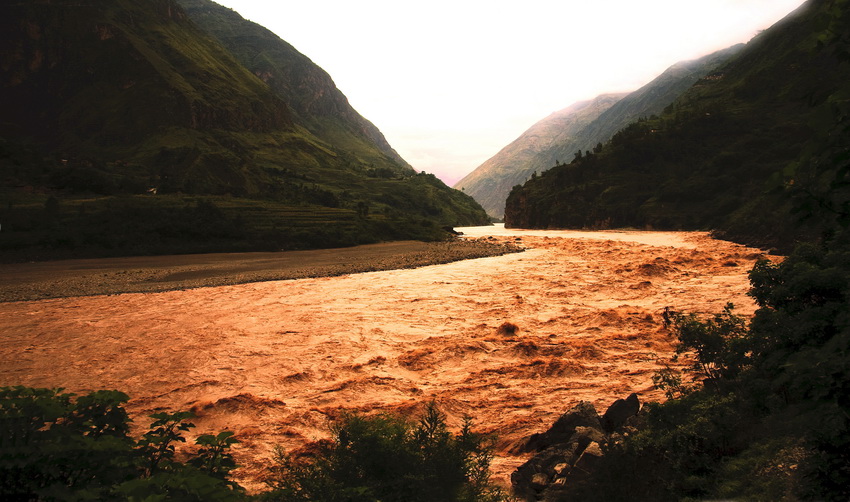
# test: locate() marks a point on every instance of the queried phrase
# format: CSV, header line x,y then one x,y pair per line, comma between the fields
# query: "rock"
x,y
619,412
590,434
571,449
581,415
539,480
588,460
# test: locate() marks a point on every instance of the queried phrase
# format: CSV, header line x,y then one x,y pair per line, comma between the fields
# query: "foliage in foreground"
x,y
56,446
387,458
771,420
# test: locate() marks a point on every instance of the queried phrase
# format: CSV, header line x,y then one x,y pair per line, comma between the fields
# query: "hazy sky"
x,y
451,82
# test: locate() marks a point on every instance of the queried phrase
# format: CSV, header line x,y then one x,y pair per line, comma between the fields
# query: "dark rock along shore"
x,y
569,450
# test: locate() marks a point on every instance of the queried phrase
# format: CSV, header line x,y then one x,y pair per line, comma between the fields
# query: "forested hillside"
x,y
732,154
125,128
583,126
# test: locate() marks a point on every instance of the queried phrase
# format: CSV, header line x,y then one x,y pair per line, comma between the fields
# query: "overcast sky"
x,y
451,82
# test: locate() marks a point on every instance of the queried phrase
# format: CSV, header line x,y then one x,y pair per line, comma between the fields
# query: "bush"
x,y
719,344
56,446
387,458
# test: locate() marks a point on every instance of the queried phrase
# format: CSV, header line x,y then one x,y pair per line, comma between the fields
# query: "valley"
x,y
513,341
195,215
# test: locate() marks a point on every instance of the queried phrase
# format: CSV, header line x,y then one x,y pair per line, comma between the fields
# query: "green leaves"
x,y
157,445
387,458
213,457
719,343
57,446
53,443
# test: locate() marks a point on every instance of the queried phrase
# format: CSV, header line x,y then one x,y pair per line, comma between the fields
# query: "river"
x,y
513,341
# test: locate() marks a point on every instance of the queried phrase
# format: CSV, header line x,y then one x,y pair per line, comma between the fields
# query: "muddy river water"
x,y
275,361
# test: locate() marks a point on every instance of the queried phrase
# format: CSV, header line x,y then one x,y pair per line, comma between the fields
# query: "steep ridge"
x,y
728,154
580,127
310,92
127,129
649,100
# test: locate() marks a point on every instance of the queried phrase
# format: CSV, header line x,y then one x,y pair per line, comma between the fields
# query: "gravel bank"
x,y
68,278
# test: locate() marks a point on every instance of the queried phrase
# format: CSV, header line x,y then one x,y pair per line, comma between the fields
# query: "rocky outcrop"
x,y
571,448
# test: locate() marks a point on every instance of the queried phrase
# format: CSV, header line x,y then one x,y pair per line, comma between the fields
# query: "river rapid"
x,y
512,341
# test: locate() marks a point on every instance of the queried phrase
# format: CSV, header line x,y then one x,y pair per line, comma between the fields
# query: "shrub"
x,y
719,344
387,458
56,446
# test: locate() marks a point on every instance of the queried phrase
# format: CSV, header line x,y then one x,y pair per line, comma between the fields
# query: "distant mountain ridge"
x,y
532,152
126,127
655,96
746,151
595,122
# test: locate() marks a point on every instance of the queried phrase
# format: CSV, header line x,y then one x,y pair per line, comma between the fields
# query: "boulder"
x,y
619,412
569,451
583,414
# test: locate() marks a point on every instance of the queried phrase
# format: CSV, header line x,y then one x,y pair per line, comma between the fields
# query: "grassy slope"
x,y
309,91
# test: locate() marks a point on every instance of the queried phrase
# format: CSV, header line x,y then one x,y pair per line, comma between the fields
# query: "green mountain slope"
x,y
83,78
724,156
647,101
309,91
580,127
125,128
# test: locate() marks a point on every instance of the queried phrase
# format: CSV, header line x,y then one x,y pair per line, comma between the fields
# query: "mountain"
x,y
309,91
649,100
111,75
492,181
580,127
737,152
126,127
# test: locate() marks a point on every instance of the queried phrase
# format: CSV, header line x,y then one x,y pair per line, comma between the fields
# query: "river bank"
x,y
150,274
